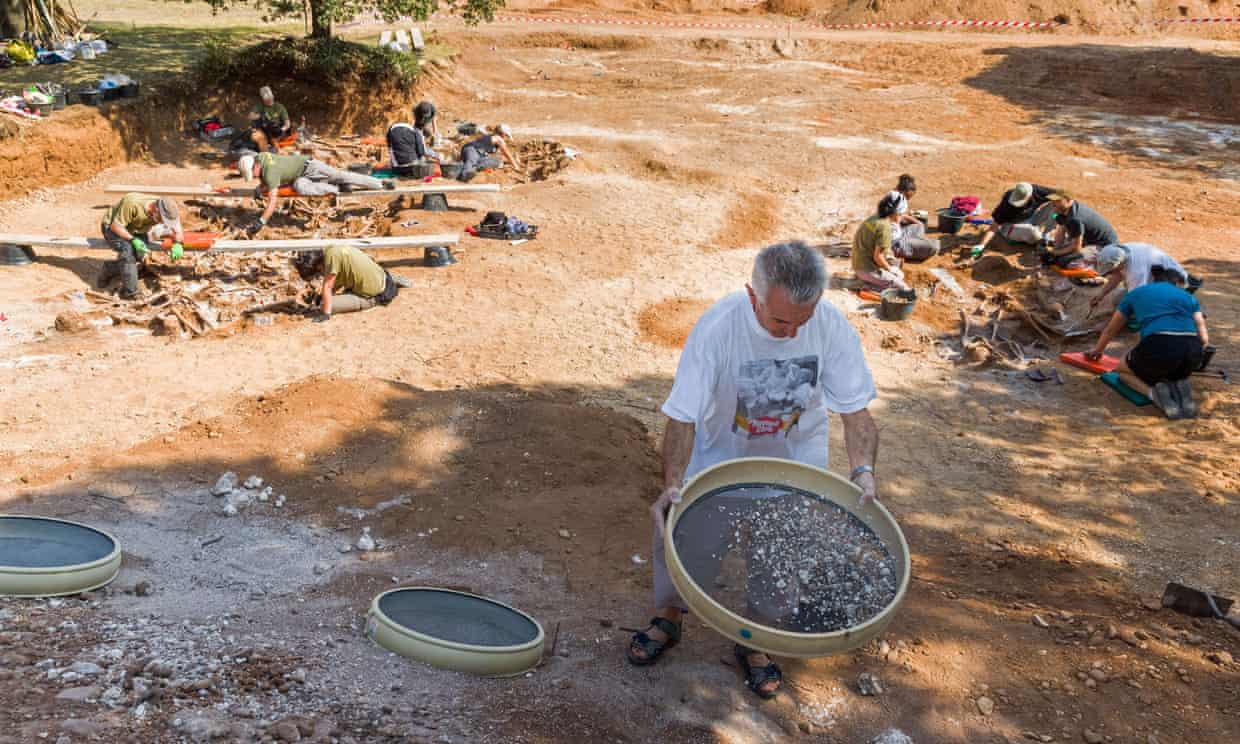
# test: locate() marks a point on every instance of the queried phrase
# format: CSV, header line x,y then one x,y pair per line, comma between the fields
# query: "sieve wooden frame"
x,y
484,661
818,481
57,581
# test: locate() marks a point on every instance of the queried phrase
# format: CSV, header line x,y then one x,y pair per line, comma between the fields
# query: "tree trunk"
x,y
320,22
12,18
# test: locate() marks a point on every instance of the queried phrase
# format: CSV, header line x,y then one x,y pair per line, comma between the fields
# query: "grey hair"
x,y
795,266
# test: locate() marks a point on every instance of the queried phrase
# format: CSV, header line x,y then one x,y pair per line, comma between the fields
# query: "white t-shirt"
x,y
1142,258
750,394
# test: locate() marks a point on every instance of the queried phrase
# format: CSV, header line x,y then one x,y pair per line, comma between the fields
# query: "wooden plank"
x,y
250,246
198,191
315,244
52,241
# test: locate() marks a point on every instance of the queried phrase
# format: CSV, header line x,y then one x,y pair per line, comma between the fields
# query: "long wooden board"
x,y
201,192
250,246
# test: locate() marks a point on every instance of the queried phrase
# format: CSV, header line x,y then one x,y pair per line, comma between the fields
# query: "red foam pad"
x,y
200,241
1078,359
1082,273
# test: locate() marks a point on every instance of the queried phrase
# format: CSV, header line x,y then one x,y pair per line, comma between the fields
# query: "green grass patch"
x,y
148,54
330,63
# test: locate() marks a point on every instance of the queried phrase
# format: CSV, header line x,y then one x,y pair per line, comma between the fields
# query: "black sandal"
x,y
652,648
756,676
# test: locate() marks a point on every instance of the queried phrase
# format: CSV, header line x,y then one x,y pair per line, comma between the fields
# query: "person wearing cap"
x,y
425,122
269,120
872,258
133,217
1173,340
479,154
407,145
360,281
1079,226
908,234
1135,264
307,176
759,375
1023,215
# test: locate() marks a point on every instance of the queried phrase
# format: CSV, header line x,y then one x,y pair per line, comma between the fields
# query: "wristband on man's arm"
x,y
860,470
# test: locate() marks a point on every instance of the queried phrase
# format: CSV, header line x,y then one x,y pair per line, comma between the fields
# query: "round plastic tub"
x,y
46,557
822,484
455,630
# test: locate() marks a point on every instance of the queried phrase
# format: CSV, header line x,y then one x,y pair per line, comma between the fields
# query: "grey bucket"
x,y
897,304
16,255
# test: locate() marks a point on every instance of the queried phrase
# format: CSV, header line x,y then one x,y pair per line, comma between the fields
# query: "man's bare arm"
x,y
861,441
677,451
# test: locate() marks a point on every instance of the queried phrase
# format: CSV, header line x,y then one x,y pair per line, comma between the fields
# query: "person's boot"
x,y
1184,393
131,289
110,270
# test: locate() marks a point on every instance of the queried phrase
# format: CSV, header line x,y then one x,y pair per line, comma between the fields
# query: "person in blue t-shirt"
x,y
1173,337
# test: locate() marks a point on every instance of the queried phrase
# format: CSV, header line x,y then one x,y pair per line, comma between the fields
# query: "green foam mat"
x,y
1113,381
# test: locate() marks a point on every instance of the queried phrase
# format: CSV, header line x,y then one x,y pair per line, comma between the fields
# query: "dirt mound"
x,y
71,145
669,322
600,43
751,220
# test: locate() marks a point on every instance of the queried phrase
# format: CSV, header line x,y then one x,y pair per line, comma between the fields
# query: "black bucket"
x,y
89,97
950,221
111,94
417,170
130,90
59,100
450,170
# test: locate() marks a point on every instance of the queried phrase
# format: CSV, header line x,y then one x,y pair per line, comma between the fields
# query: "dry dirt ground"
x,y
515,395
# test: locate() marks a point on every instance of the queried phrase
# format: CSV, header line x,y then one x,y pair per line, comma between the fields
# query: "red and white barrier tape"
x,y
982,24
602,21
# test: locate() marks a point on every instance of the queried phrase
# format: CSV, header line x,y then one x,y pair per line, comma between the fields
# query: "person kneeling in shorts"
x,y
1173,338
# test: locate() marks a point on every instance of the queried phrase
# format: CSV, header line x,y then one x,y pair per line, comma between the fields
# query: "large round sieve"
x,y
770,583
456,630
46,557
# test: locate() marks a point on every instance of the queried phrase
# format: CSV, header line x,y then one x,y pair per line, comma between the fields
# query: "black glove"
x,y
255,226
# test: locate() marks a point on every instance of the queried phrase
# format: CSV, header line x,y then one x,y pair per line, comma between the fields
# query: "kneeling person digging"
x,y
1173,339
361,281
124,227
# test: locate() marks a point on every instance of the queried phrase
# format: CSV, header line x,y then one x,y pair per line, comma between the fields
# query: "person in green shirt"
x,y
125,226
872,257
361,282
307,176
270,121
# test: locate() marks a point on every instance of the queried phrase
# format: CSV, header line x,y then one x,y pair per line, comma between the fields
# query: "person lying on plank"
x,y
1173,337
307,176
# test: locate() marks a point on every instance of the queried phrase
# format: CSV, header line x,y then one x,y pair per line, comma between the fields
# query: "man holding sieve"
x,y
757,378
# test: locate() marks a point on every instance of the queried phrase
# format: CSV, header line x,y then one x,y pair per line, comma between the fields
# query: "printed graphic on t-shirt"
x,y
772,394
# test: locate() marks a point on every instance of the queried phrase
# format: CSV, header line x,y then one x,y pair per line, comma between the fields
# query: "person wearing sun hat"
x,y
1022,216
124,228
